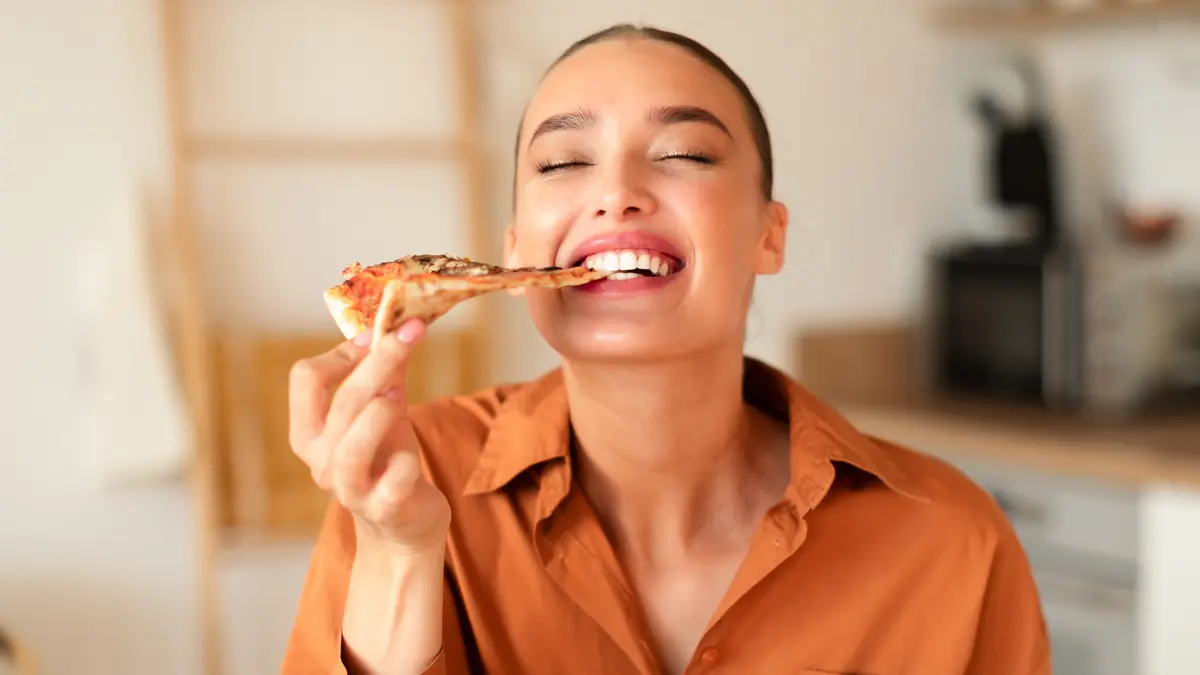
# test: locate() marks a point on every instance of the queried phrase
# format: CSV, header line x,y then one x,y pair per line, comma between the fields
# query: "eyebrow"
x,y
572,121
663,115
680,114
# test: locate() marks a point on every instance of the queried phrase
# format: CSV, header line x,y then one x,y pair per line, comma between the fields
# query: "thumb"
x,y
409,335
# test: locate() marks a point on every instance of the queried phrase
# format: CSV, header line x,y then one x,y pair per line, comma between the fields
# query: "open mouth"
x,y
631,263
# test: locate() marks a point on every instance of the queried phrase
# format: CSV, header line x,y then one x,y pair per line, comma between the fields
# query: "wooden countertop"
x,y
1158,449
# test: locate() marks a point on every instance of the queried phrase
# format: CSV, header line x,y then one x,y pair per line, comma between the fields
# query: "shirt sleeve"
x,y
315,645
1011,637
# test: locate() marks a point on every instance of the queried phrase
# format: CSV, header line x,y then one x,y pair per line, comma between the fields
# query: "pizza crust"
x,y
349,321
427,287
431,296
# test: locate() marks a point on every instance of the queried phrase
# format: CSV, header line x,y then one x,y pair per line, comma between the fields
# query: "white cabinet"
x,y
1064,515
1169,602
1093,626
1082,540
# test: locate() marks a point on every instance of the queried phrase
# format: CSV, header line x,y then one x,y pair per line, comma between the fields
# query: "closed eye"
x,y
697,157
551,167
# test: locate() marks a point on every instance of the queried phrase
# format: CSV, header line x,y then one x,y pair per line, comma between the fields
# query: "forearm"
x,y
393,618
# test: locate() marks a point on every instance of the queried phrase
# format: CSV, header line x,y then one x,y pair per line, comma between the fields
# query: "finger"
x,y
352,463
310,389
394,487
380,371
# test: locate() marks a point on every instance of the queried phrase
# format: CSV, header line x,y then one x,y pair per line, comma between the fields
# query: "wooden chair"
x,y
263,491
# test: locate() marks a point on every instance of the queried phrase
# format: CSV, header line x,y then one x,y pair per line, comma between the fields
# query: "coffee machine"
x,y
1008,316
1020,160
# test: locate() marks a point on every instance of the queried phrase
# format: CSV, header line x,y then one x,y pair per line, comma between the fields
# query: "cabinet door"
x,y
1082,517
1093,628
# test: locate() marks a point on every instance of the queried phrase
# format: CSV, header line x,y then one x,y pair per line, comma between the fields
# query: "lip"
x,y
632,239
626,287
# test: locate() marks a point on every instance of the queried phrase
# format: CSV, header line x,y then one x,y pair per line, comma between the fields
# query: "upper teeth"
x,y
617,261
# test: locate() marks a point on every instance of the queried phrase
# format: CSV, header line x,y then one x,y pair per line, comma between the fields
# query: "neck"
x,y
670,451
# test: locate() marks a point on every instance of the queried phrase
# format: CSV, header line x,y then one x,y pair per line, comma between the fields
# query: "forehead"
x,y
628,76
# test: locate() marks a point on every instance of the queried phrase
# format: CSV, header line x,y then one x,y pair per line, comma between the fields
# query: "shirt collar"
x,y
532,426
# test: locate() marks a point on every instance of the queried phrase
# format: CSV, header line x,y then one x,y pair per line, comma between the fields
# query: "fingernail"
x,y
411,331
363,339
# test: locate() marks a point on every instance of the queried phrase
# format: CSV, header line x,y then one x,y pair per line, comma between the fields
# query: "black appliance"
x,y
1008,324
1021,163
1008,318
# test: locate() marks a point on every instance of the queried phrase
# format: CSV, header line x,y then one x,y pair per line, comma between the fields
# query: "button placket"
x,y
577,558
703,661
785,523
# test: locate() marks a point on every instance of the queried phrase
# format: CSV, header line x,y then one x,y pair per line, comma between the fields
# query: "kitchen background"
x,y
114,558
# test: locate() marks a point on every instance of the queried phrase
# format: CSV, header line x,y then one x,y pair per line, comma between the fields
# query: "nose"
x,y
623,194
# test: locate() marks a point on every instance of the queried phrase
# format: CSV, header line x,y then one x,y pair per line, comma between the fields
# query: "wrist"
x,y
377,548
392,621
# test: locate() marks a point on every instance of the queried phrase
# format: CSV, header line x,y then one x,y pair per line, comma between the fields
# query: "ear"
x,y
510,246
510,255
774,239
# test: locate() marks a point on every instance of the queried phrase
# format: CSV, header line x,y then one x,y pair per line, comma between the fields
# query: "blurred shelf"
x,y
324,150
1041,19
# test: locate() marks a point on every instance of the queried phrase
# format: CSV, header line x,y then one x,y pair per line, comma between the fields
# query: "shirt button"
x,y
708,656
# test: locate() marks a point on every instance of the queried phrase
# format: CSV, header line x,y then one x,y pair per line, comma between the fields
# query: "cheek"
x,y
719,218
542,220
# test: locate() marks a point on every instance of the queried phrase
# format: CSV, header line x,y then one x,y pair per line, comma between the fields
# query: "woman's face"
x,y
636,153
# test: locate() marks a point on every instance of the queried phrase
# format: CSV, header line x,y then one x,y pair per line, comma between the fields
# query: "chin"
x,y
616,340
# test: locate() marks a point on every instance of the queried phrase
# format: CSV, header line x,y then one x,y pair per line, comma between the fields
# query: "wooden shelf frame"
x,y
193,330
1042,19
376,150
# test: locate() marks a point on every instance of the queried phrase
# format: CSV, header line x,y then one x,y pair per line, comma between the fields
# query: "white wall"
x,y
103,583
96,583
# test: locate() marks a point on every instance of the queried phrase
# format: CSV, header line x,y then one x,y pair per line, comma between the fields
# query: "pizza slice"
x,y
383,296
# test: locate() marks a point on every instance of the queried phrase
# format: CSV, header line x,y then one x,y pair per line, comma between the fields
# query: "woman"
x,y
660,504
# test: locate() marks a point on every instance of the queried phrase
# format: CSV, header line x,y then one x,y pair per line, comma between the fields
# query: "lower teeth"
x,y
622,276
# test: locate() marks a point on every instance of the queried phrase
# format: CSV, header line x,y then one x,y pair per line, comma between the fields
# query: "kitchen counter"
x,y
1161,449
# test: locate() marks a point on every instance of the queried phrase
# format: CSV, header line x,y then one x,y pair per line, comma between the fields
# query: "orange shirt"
x,y
878,561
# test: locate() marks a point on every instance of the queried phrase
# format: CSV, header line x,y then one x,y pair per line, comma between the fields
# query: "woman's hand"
x,y
360,444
